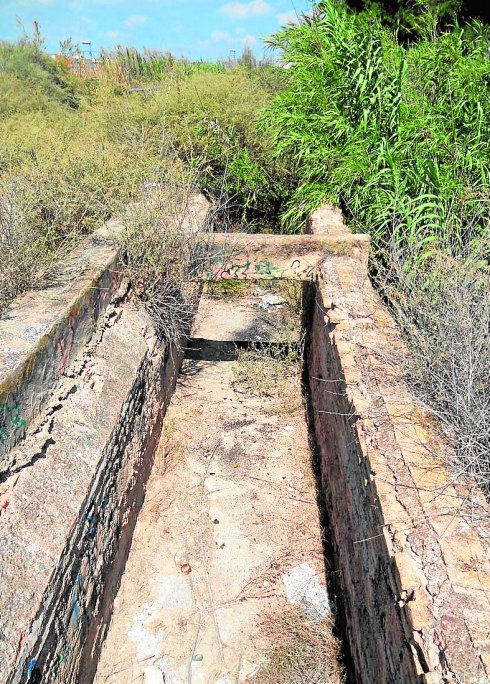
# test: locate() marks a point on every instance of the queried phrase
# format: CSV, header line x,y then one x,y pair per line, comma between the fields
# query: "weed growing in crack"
x,y
306,651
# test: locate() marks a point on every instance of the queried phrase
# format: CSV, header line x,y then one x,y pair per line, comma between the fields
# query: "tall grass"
x,y
396,134
129,66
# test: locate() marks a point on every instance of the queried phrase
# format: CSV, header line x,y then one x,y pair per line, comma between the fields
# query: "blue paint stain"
x,y
31,666
75,613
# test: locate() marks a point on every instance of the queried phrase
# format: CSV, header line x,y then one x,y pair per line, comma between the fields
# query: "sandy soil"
x,y
229,531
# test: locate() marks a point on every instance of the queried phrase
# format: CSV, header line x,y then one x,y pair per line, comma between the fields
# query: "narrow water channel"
x,y
225,580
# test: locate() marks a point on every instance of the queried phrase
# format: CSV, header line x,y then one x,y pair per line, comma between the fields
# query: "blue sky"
x,y
194,28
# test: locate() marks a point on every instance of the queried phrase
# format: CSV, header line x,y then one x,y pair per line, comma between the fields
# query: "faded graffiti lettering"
x,y
10,419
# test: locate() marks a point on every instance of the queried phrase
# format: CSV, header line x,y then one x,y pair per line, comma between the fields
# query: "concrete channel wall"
x,y
85,384
410,546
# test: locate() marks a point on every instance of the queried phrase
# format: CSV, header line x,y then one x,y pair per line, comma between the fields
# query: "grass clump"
x,y
268,370
229,289
306,652
273,368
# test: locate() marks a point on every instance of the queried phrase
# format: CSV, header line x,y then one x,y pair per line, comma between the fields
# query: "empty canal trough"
x,y
177,514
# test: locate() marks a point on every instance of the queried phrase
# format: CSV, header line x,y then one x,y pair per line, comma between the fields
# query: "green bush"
x,y
212,119
395,134
31,80
398,136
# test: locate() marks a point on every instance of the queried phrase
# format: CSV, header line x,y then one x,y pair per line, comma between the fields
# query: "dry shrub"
x,y
444,311
27,260
305,651
160,251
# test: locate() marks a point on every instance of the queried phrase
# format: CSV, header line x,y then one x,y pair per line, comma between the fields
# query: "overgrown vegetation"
x,y
76,149
393,127
396,134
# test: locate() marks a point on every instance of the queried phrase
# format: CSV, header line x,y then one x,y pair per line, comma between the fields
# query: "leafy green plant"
x,y
395,134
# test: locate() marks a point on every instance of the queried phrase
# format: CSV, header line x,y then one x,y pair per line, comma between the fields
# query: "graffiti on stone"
x,y
10,420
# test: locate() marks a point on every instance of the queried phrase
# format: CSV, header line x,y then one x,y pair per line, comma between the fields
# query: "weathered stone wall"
x,y
94,386
69,520
42,332
410,557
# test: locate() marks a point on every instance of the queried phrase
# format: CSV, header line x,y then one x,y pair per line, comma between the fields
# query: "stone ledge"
x,y
242,256
43,331
70,515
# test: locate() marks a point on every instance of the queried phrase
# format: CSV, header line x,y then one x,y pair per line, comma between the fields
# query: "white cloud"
x,y
240,31
219,36
245,10
135,20
114,35
249,40
287,18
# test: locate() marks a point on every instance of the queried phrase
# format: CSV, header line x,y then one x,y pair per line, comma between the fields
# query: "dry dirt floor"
x,y
225,581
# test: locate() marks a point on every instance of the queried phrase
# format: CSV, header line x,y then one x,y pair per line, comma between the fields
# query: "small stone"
x,y
186,568
198,658
272,300
303,588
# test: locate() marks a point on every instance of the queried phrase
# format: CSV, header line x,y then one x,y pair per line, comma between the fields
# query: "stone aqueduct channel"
x,y
157,518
